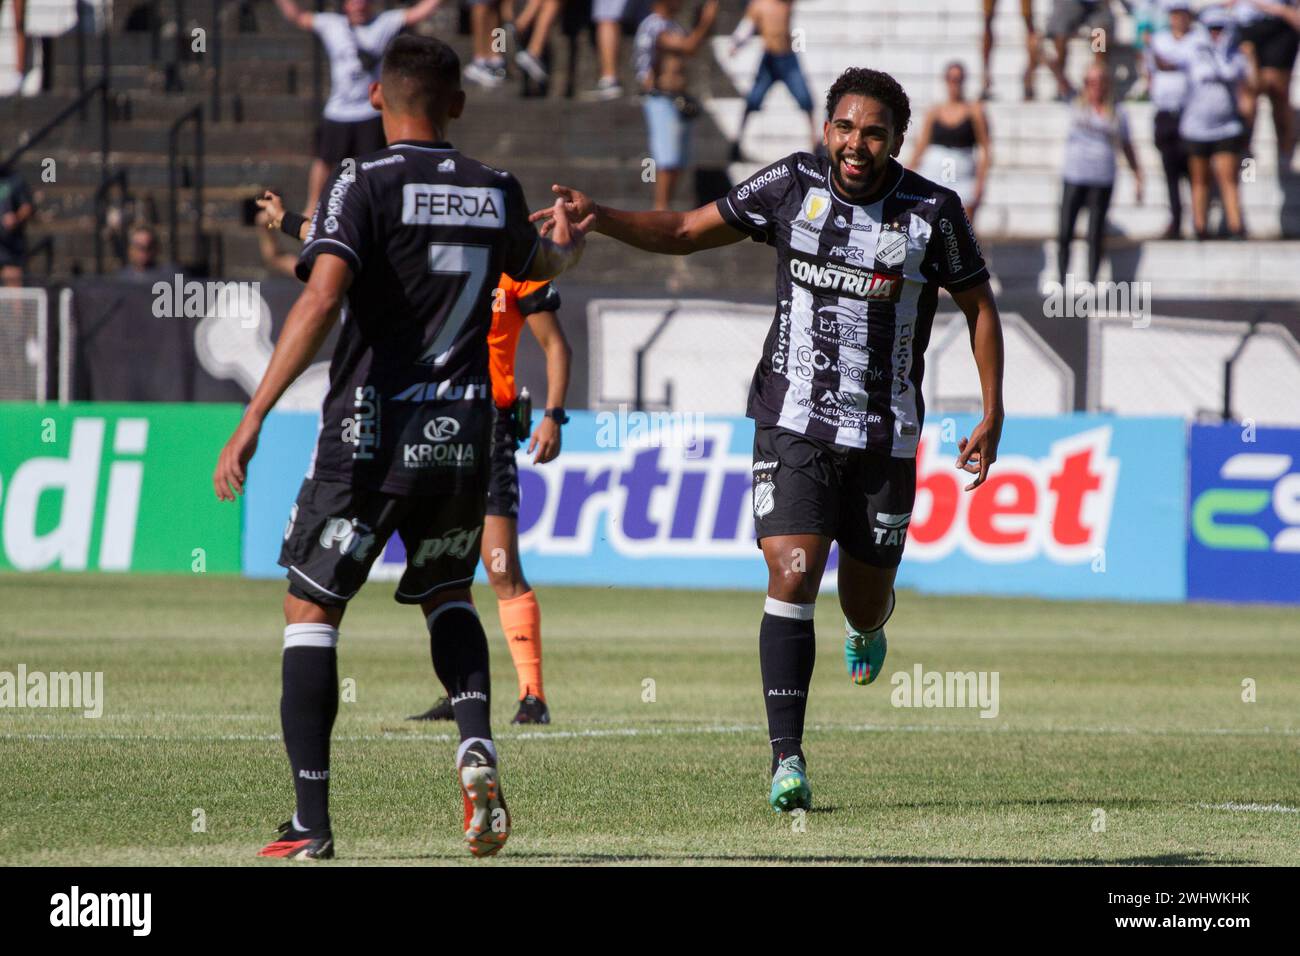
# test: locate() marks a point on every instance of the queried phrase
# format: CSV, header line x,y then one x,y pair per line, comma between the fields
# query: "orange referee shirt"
x,y
513,302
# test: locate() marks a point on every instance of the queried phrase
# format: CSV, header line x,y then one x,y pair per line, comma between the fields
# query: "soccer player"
x,y
863,248
411,238
514,305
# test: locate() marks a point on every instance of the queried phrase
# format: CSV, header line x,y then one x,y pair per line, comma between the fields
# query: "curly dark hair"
x,y
880,86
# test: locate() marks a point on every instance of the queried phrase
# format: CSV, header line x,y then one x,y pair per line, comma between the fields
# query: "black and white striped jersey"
x,y
857,285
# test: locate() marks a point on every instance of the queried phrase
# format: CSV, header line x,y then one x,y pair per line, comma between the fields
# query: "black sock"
x,y
309,702
787,650
460,659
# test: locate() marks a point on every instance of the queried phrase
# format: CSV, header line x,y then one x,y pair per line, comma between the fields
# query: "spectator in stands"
x,y
535,24
1068,16
354,41
1032,41
15,210
20,41
1270,35
1211,125
1098,131
142,256
770,19
608,15
662,48
1166,58
951,134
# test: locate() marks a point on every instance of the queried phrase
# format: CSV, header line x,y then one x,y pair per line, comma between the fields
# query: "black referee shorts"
x,y
860,499
336,531
503,478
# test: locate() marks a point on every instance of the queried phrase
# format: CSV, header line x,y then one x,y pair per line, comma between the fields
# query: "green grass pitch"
x,y
1135,711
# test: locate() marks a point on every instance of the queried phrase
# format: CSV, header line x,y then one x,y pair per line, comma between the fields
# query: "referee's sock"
x,y
787,650
460,659
309,702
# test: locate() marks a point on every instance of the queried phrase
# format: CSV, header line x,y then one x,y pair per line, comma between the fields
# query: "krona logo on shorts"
x,y
74,482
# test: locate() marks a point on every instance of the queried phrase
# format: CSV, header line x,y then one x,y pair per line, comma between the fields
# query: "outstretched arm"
x,y
667,232
546,328
295,14
980,450
305,330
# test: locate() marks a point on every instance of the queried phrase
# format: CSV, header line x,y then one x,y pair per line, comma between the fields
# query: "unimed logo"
x,y
74,482
75,908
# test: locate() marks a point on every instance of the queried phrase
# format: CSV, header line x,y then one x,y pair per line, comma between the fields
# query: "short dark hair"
x,y
880,86
418,72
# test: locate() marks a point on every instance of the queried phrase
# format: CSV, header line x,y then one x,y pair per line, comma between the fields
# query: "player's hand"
x,y
978,452
232,463
273,206
577,205
546,441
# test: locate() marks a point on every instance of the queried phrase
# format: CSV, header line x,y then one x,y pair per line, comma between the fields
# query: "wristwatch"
x,y
558,415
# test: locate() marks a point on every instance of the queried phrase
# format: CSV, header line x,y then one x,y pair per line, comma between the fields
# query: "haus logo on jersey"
x,y
822,275
362,427
435,204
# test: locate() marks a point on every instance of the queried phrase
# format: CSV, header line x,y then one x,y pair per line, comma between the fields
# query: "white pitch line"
x,y
1250,807
599,732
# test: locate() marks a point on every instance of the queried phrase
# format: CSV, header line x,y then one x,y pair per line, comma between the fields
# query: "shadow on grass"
x,y
578,859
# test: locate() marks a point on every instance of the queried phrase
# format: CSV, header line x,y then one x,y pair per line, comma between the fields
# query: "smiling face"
x,y
860,141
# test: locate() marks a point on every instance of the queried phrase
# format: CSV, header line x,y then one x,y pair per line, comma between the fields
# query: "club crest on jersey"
x,y
816,206
891,248
764,487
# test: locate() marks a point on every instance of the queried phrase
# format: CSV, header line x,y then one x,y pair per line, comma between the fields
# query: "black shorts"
x,y
1276,43
336,531
503,481
1231,144
337,141
861,499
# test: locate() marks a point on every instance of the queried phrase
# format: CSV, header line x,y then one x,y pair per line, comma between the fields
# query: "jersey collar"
x,y
893,176
421,144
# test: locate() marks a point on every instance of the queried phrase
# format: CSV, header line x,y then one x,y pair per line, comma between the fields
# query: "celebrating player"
x,y
863,247
517,304
412,236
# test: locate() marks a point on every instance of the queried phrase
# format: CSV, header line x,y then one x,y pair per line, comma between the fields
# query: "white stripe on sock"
x,y
310,635
447,607
465,744
798,612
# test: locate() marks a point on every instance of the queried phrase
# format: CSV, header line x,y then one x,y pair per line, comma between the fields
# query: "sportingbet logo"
x,y
50,501
1228,518
1057,506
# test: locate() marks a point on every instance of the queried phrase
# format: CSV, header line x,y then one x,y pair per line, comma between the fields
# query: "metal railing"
x,y
194,174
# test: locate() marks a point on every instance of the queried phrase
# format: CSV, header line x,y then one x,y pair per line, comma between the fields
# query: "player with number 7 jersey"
x,y
406,246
